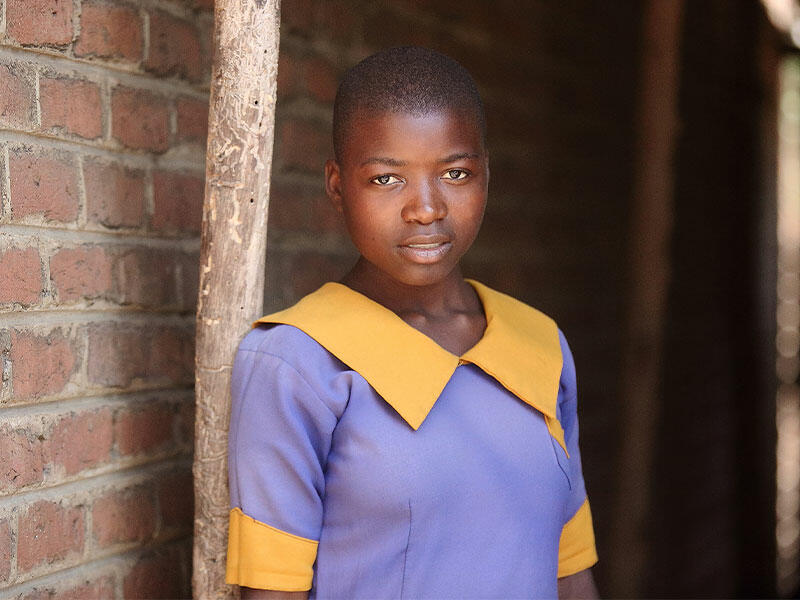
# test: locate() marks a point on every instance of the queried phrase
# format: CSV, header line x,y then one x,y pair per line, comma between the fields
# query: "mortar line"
x,y
115,479
82,379
111,563
88,402
145,16
13,524
105,110
45,254
77,9
5,184
114,465
82,209
117,237
53,318
96,71
37,97
124,156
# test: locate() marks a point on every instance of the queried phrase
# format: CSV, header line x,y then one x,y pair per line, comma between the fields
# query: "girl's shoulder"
x,y
288,345
279,340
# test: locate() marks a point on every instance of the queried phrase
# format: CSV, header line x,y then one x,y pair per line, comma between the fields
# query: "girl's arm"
x,y
282,419
578,586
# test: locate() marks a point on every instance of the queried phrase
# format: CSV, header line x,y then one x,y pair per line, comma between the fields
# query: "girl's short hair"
x,y
407,79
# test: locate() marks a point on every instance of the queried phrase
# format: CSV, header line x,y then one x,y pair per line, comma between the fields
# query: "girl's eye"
x,y
456,174
385,179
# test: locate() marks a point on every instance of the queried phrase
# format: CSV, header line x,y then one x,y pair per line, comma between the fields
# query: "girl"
x,y
406,432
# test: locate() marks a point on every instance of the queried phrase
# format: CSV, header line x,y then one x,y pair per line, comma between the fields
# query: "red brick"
x,y
49,532
338,19
321,79
140,119
20,276
189,275
177,201
6,542
147,277
99,589
83,272
288,76
110,32
143,276
18,100
114,194
117,354
176,501
145,429
304,145
206,29
310,270
186,424
43,184
39,21
41,365
173,354
403,29
82,441
71,105
200,4
175,48
24,458
120,353
124,516
298,207
192,120
297,16
156,576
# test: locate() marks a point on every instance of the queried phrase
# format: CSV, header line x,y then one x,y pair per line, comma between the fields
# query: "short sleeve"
x,y
577,546
279,439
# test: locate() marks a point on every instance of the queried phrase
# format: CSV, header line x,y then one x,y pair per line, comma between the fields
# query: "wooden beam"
x,y
238,165
649,261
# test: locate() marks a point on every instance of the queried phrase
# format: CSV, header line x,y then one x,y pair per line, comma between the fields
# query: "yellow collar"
x,y
520,348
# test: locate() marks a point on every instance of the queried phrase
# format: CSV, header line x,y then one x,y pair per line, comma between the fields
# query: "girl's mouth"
x,y
425,253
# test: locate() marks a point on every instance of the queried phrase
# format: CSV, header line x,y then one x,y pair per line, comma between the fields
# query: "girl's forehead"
x,y
404,135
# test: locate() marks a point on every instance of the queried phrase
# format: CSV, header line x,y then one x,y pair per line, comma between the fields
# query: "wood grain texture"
x,y
238,166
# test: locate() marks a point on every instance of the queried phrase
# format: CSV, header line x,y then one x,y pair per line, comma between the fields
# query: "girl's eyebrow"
x,y
383,160
458,156
393,162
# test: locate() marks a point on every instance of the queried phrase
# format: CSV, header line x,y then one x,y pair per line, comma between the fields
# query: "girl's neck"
x,y
437,301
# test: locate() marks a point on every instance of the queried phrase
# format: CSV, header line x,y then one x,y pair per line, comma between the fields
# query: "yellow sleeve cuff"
x,y
266,558
576,550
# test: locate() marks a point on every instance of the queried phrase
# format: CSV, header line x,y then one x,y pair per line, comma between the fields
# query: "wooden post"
x,y
238,164
657,127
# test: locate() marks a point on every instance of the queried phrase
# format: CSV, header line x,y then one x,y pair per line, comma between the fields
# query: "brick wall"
x,y
102,125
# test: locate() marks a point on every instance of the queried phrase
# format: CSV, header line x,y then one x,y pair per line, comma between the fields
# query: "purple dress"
x,y
465,491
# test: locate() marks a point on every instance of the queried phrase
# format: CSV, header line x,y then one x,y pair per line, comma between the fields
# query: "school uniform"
x,y
366,461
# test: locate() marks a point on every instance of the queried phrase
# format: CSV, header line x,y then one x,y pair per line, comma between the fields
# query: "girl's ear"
x,y
333,184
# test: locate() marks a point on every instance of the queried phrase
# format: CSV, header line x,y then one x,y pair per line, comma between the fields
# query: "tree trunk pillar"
x,y
233,253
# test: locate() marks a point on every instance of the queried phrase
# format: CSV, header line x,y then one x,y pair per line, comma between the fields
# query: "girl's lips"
x,y
425,253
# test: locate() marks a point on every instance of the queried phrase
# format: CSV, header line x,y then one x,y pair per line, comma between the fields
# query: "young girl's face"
x,y
412,189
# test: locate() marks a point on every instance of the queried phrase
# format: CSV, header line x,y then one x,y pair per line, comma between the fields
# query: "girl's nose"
x,y
424,206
